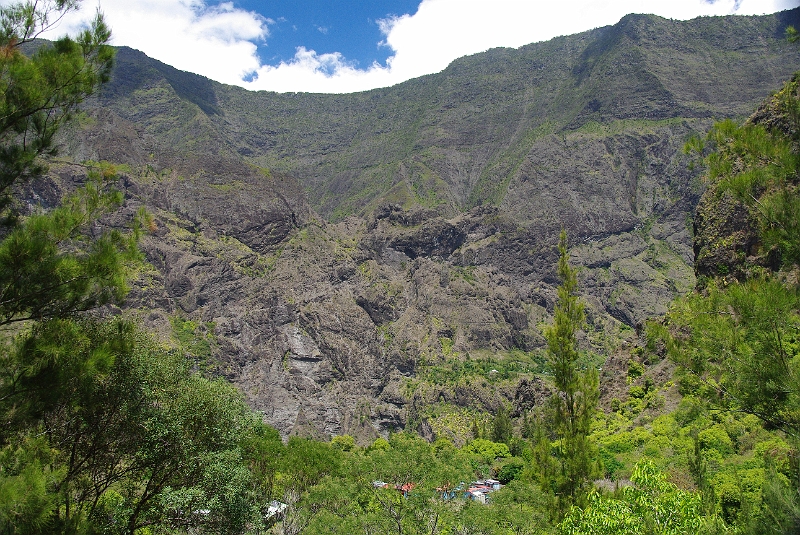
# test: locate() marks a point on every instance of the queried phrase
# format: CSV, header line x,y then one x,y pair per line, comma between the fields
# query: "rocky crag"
x,y
345,258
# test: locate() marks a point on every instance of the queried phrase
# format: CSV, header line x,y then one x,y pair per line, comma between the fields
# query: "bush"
x,y
610,464
635,369
487,449
343,442
637,392
716,438
689,410
510,471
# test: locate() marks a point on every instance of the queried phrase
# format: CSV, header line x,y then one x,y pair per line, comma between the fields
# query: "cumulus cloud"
x,y
218,41
221,41
443,30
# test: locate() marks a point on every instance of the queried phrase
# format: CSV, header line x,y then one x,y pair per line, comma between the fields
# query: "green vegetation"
x,y
195,340
737,340
104,430
511,366
741,343
575,400
40,92
652,505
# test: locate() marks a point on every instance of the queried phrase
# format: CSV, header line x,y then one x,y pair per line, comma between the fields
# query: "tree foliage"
x,y
737,340
41,90
742,341
130,435
651,506
759,163
502,427
51,268
577,392
102,430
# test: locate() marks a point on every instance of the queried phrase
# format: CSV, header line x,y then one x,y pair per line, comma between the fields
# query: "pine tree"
x,y
40,91
502,427
49,269
577,392
476,431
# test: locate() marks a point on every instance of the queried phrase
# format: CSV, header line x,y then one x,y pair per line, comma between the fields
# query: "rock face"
x,y
725,234
727,237
323,250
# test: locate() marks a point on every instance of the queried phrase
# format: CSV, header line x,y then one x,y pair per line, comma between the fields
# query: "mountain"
x,y
356,263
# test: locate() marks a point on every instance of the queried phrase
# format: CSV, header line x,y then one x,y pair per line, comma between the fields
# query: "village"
x,y
477,491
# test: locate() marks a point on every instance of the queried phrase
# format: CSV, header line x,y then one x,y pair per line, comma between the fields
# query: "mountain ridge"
x,y
333,251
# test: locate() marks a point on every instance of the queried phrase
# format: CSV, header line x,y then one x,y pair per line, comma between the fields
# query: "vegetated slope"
x,y
440,200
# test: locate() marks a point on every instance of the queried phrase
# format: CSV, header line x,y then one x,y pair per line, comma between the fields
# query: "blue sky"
x,y
349,27
342,46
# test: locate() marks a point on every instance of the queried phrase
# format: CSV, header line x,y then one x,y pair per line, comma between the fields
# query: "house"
x,y
275,510
405,488
495,484
480,490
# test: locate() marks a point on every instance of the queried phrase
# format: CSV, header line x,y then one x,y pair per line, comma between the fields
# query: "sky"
x,y
343,46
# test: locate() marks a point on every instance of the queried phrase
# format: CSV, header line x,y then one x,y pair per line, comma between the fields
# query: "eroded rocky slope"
x,y
325,252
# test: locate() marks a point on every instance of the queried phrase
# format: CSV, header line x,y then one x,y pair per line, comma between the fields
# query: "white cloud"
x,y
221,42
443,30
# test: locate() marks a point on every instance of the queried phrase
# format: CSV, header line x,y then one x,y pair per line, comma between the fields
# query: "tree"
x,y
736,338
98,426
792,34
50,268
41,91
758,163
577,392
742,341
502,427
653,505
740,337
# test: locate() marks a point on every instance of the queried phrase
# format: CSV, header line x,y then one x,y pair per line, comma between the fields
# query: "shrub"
x,y
716,438
343,442
510,471
487,449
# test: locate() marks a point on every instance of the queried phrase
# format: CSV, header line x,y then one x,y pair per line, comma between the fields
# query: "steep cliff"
x,y
336,256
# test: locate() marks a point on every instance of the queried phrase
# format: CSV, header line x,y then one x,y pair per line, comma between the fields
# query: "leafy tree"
x,y
575,402
651,506
487,450
263,449
125,436
306,462
344,442
510,471
188,457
